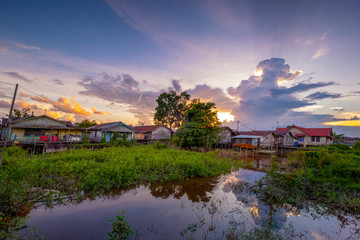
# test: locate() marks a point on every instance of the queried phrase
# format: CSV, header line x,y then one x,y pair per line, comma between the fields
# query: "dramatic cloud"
x,y
260,97
58,81
18,76
4,104
63,104
27,47
216,95
323,95
122,89
300,87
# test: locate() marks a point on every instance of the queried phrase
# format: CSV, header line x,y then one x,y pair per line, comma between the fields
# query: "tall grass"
x,y
25,179
328,177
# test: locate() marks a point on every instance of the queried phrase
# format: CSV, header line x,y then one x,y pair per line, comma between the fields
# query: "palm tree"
x,y
338,138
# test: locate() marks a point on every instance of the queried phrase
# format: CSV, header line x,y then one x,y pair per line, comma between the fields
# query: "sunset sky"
x,y
264,63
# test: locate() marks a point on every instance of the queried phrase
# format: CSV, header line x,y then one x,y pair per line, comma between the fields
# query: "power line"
x,y
11,84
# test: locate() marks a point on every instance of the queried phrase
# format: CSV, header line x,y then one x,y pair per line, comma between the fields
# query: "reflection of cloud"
x,y
18,76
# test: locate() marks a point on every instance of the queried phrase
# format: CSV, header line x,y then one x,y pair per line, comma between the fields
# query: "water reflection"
x,y
196,190
212,208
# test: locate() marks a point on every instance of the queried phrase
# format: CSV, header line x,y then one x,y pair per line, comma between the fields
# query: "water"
x,y
207,208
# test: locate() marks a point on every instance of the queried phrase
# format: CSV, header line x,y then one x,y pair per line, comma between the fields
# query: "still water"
x,y
207,208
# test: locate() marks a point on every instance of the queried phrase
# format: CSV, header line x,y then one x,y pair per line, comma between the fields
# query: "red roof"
x,y
146,128
320,132
281,131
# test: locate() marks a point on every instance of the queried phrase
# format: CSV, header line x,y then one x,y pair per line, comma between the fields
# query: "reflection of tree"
x,y
195,189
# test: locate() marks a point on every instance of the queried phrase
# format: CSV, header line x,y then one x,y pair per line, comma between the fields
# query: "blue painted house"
x,y
109,130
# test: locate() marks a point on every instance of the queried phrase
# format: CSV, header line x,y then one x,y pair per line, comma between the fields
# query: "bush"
x,y
159,145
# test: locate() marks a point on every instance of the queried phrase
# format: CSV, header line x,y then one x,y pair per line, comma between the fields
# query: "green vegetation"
x,y
82,172
86,123
121,229
171,109
326,179
201,126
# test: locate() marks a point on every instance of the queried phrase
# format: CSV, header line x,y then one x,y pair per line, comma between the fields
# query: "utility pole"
x,y
8,125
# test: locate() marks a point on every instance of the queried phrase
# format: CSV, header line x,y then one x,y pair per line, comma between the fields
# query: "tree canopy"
x,y
86,123
171,109
17,114
201,125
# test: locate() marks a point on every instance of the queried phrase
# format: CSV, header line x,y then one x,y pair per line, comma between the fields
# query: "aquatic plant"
x,y
121,229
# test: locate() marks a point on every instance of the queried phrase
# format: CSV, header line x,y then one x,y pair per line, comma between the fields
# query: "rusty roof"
x,y
255,133
147,128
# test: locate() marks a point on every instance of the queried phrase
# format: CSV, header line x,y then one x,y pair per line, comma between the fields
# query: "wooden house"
x,y
43,129
152,132
309,136
109,131
254,138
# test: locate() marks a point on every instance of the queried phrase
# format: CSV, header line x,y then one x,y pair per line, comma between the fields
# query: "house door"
x,y
107,137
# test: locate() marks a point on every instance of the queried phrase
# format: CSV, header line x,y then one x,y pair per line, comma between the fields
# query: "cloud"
x,y
122,89
58,81
99,112
24,104
323,37
323,95
18,76
319,53
3,49
63,104
27,47
300,87
338,109
176,85
216,95
4,104
260,97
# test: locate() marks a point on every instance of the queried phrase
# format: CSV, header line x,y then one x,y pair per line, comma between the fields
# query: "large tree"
x,y
17,114
86,123
200,127
171,109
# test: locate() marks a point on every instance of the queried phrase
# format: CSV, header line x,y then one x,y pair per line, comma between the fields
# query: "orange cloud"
x,y
350,123
99,112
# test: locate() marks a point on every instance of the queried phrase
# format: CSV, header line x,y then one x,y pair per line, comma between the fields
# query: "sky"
x,y
263,63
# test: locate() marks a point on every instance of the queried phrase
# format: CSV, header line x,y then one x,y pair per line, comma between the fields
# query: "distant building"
x,y
109,130
152,132
255,138
42,129
226,135
296,135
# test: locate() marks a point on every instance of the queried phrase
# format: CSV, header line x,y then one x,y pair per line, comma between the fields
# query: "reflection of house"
x,y
43,129
255,138
152,132
225,135
109,130
310,136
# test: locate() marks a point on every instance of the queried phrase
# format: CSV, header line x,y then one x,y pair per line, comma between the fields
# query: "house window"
x,y
317,139
41,132
313,139
27,132
301,139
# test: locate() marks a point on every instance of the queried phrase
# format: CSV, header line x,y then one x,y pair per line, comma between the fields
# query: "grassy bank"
x,y
327,179
82,172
